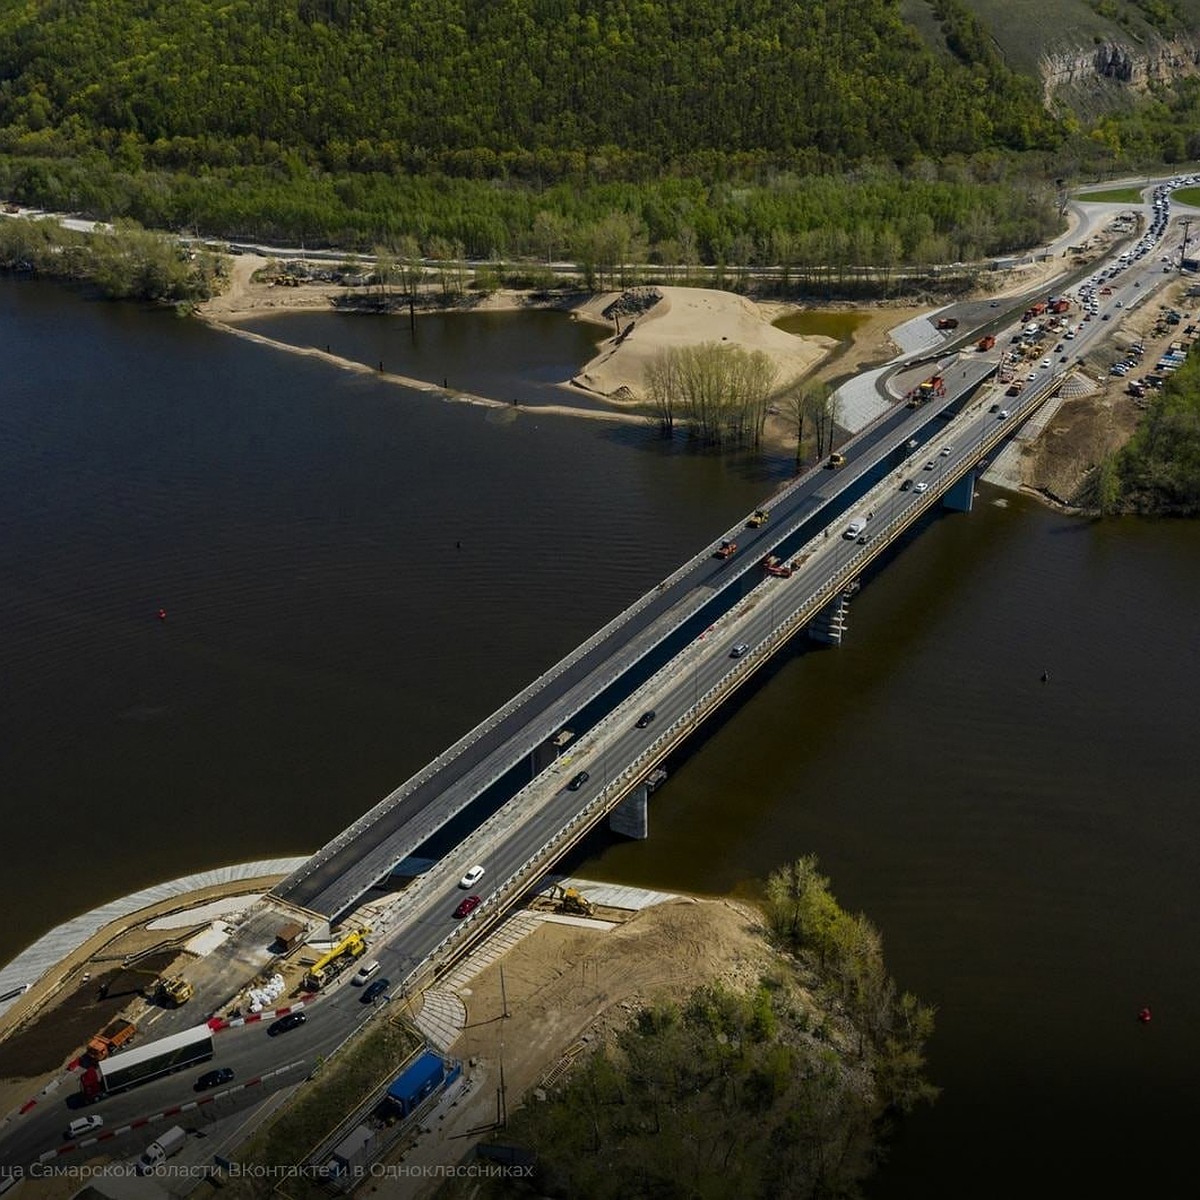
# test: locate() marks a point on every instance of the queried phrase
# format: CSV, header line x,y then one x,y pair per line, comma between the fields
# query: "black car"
x,y
376,989
646,718
291,1021
577,781
212,1079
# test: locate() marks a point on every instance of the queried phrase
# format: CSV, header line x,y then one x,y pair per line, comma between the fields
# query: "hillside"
x,y
487,87
1088,55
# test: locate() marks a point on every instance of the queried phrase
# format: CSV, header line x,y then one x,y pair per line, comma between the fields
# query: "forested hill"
x,y
489,87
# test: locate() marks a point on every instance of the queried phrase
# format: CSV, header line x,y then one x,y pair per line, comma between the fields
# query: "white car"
x,y
1045,364
945,452
920,486
82,1125
472,877
1002,415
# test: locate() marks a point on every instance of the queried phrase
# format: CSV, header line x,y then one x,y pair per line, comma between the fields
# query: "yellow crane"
x,y
335,960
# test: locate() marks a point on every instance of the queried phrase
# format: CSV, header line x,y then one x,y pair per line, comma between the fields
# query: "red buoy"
x,y
1144,1015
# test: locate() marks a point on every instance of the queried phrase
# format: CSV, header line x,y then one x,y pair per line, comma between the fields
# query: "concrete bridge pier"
x,y
631,818
830,624
961,496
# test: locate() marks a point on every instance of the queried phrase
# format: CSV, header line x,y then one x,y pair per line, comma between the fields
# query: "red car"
x,y
468,906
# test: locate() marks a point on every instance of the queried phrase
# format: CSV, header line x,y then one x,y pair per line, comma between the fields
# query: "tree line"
x,y
1158,470
878,216
124,262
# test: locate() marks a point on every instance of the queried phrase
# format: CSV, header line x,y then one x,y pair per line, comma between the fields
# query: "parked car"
x,y
284,1024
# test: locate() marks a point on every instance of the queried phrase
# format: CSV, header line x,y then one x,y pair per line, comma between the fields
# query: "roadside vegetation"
x,y
780,1090
1158,470
320,1107
124,262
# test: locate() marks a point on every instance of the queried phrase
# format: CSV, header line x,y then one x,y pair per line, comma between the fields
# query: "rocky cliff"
x,y
1133,65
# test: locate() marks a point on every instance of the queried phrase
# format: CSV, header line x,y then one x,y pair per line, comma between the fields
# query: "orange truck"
x,y
985,343
726,549
110,1039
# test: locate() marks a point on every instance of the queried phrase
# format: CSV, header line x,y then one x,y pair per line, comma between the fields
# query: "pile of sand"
x,y
690,317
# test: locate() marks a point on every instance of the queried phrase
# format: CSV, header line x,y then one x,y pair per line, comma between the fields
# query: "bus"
x,y
151,1061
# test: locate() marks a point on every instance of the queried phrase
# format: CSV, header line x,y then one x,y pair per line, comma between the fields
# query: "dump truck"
x,y
777,567
985,343
173,992
758,517
947,323
110,1039
335,960
935,385
726,549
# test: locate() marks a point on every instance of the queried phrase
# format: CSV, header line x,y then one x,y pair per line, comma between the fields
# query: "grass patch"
x,y
1187,196
1125,195
318,1108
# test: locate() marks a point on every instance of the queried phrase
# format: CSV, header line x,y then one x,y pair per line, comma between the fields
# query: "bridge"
x,y
670,652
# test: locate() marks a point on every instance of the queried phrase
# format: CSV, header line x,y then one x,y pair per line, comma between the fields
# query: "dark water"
x,y
1028,850
834,323
525,356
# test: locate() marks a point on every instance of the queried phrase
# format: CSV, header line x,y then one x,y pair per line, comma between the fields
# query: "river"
x,y
353,575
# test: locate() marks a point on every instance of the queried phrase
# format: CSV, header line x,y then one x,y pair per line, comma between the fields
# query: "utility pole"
x,y
1186,222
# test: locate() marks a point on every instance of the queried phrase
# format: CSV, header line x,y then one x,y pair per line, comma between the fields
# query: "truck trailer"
x,y
150,1061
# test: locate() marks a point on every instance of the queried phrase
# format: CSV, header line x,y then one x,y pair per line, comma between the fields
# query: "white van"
x,y
365,972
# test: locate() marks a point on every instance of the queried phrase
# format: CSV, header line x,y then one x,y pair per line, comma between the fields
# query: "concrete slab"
x,y
52,948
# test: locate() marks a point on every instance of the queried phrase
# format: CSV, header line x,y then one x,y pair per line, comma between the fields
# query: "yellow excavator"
x,y
335,960
173,992
570,900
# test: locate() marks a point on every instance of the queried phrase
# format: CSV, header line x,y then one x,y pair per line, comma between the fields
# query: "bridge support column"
x,y
830,624
631,818
961,496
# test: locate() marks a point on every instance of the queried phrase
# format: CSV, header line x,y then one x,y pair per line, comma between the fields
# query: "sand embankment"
x,y
683,317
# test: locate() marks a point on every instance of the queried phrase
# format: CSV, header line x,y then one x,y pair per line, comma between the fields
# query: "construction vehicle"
x,y
173,992
1034,310
759,517
726,549
835,461
947,323
110,1039
777,567
985,343
335,960
571,900
935,385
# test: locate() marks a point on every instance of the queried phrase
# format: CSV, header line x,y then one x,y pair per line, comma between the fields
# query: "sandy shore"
x,y
681,317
